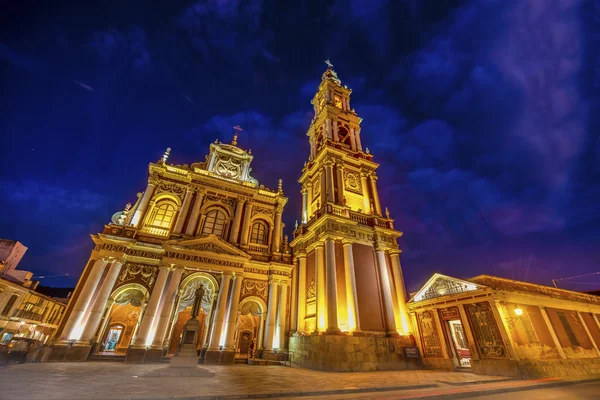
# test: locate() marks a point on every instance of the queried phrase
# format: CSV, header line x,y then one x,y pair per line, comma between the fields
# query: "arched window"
x,y
161,218
343,135
162,215
337,100
214,223
258,234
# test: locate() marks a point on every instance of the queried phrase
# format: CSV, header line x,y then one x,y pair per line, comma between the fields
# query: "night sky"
x,y
483,115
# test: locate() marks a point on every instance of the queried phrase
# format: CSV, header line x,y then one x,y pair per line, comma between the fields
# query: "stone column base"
x,y
212,357
69,353
153,355
352,353
136,355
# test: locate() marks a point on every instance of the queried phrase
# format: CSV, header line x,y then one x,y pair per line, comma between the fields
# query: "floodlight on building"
x,y
518,311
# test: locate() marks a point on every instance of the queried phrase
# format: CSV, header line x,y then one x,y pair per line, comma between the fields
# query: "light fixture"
x,y
518,311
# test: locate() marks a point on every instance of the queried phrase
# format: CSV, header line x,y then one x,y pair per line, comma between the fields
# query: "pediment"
x,y
441,285
208,244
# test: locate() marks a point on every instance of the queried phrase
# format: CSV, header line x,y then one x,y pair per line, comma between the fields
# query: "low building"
x,y
23,311
505,327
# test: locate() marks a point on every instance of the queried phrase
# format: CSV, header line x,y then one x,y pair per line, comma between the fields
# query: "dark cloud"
x,y
480,114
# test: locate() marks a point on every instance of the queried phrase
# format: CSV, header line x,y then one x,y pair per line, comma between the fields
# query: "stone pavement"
x,y
104,380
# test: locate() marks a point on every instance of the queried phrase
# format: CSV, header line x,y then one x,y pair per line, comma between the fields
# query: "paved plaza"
x,y
103,380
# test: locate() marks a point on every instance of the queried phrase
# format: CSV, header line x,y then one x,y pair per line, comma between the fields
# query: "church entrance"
x,y
462,355
121,324
113,338
249,328
184,309
455,334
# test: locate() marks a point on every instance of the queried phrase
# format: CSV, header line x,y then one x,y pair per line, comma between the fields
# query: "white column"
x,y
373,179
357,138
237,220
91,326
217,327
350,277
386,287
281,314
246,226
321,324
403,322
468,331
191,228
332,308
277,233
167,308
309,201
329,181
184,211
301,291
588,332
335,135
141,210
304,192
365,191
151,308
83,300
552,333
341,189
271,315
294,300
233,312
440,332
352,139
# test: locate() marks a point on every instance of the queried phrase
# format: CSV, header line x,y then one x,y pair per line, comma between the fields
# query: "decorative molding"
x,y
211,247
130,272
202,259
311,292
352,182
262,210
164,187
253,287
255,270
128,251
225,200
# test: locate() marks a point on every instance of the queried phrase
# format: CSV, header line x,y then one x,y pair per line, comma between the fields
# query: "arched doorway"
x,y
187,293
250,326
124,316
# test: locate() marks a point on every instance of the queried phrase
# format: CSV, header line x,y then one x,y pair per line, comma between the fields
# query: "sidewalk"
x,y
102,380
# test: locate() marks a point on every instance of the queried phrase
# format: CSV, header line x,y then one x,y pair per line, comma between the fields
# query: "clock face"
x,y
228,168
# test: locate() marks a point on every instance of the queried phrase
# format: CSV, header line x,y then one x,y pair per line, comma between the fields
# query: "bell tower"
x,y
349,277
334,134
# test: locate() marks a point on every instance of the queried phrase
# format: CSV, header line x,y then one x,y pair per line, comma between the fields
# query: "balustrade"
x,y
156,231
328,208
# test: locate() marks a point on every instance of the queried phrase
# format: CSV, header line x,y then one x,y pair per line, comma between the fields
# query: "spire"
x,y
280,187
237,130
165,156
330,73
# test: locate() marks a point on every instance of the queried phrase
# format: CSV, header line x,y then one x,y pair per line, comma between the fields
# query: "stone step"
x,y
106,358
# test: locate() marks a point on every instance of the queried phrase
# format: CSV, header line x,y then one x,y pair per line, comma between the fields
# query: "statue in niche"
x,y
199,295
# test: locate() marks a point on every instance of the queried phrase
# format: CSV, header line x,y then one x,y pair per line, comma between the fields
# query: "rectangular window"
x,y
569,331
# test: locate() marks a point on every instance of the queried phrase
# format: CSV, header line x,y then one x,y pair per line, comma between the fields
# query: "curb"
x,y
484,392
299,394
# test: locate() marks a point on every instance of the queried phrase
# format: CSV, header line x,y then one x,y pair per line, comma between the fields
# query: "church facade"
x,y
209,223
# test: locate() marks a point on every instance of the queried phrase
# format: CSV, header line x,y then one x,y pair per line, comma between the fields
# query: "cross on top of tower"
x,y
237,130
329,64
